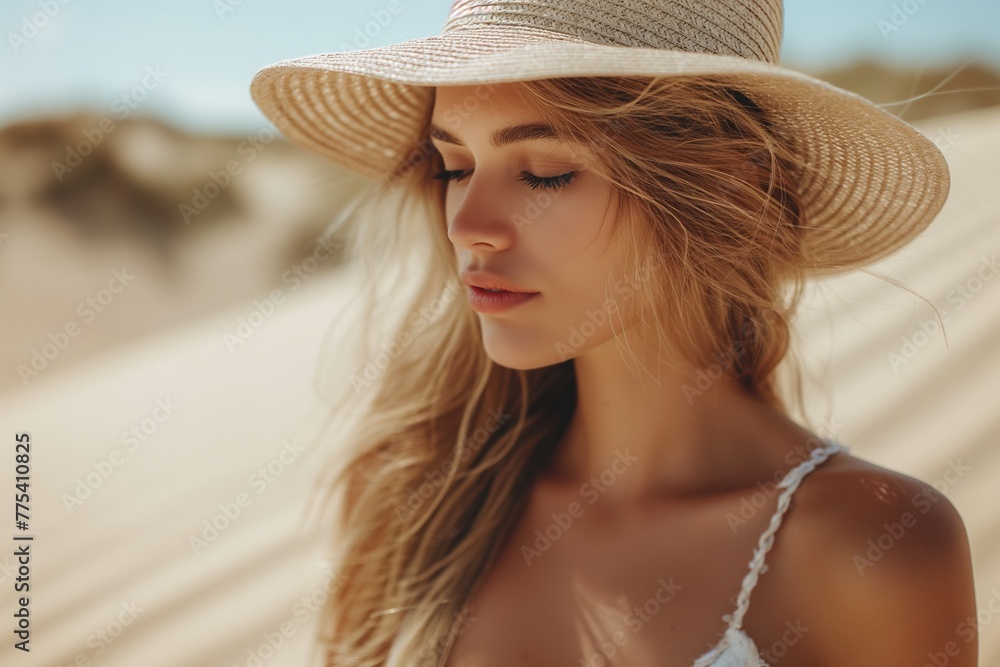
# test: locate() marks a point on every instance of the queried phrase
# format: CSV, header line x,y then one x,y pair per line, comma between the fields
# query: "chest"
x,y
584,585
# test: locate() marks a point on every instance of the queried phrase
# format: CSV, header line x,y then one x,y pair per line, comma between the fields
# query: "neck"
x,y
645,430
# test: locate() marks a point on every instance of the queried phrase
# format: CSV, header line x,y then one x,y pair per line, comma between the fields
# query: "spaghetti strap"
x,y
790,483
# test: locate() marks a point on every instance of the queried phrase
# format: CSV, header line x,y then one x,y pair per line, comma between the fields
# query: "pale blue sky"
x,y
91,52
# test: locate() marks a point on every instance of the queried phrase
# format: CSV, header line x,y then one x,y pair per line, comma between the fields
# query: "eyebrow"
x,y
504,136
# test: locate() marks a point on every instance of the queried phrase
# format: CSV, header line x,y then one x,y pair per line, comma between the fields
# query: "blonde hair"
x,y
443,445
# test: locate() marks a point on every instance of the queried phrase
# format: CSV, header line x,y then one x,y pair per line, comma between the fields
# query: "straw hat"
x,y
873,182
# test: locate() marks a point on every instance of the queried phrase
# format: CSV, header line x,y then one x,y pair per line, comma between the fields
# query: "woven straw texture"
x,y
872,182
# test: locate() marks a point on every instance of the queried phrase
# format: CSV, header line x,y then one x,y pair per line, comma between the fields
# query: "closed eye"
x,y
532,181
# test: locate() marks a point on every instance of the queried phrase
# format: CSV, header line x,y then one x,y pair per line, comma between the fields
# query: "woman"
x,y
572,444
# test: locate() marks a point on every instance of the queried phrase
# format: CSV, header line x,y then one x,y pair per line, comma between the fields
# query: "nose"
x,y
482,218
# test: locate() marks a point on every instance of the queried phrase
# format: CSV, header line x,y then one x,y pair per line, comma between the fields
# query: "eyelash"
x,y
532,181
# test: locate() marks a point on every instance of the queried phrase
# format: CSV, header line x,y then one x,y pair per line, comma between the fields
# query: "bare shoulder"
x,y
884,566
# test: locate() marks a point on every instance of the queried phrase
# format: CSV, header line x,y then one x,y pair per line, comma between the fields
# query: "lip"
x,y
489,280
482,300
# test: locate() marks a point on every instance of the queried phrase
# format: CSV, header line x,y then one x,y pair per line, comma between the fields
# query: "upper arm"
x,y
891,574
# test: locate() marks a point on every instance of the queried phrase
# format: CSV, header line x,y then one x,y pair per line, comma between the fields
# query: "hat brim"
x,y
872,182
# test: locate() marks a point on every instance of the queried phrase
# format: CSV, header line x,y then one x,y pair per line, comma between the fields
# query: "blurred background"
x,y
162,327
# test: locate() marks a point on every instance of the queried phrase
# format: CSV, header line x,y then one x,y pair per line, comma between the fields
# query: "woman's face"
x,y
553,239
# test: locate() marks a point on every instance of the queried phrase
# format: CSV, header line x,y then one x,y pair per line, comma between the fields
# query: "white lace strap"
x,y
790,482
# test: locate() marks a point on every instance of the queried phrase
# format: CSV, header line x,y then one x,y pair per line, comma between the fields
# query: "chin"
x,y
521,360
519,351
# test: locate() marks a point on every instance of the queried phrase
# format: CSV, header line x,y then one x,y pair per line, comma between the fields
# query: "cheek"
x,y
571,243
572,227
572,249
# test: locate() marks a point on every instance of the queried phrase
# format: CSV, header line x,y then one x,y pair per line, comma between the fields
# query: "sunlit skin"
x,y
691,464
